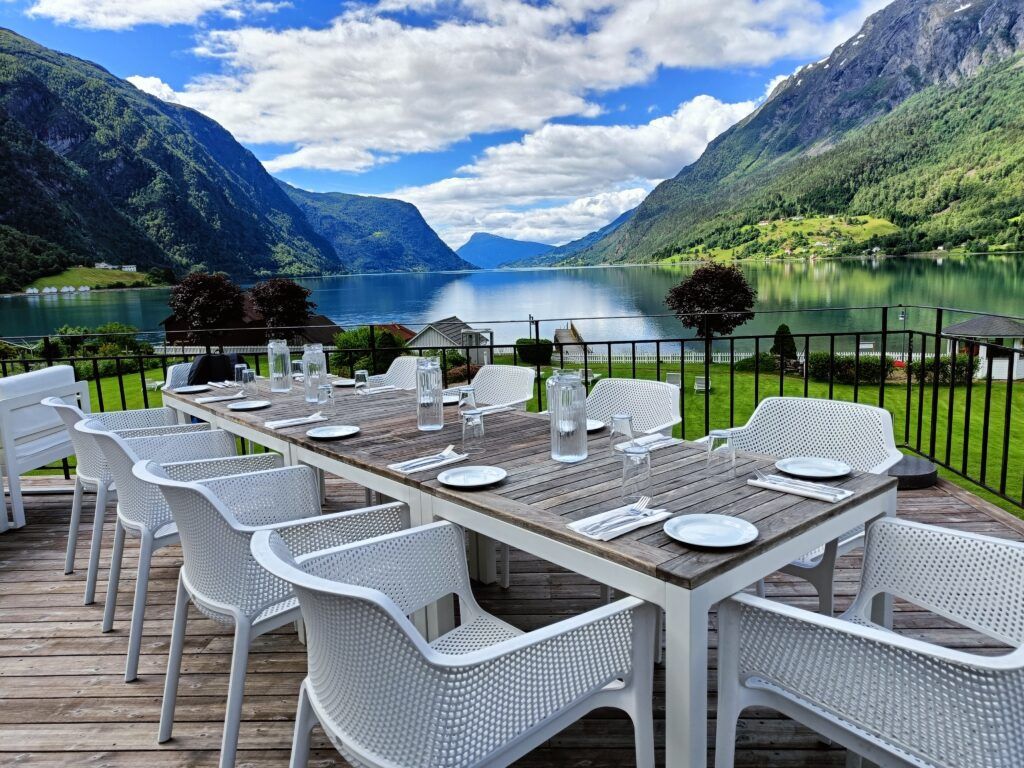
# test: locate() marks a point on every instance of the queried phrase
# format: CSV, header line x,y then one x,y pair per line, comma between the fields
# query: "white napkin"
x,y
627,525
375,390
808,490
282,423
651,442
220,398
424,467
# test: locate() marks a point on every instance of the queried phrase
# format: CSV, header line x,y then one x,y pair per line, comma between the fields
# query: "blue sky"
x,y
534,119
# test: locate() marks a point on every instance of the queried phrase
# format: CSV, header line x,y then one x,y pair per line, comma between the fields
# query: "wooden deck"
x,y
63,701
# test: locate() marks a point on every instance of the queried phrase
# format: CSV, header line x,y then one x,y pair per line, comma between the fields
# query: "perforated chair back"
x,y
91,464
504,385
859,435
653,405
177,375
400,374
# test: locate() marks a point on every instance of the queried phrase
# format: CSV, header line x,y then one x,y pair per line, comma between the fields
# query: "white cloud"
x,y
367,87
154,86
564,181
125,14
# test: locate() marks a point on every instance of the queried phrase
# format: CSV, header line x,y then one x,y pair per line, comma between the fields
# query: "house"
x,y
454,332
1003,332
129,268
399,330
251,331
103,265
32,291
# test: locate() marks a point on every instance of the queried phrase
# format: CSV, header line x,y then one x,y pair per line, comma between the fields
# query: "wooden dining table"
x,y
531,509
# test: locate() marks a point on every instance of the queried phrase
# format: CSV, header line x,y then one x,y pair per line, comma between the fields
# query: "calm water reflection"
x,y
992,283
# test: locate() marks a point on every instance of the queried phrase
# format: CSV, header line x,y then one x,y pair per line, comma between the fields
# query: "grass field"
x,y
94,278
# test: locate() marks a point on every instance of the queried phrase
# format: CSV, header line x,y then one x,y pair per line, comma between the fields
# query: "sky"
x,y
533,119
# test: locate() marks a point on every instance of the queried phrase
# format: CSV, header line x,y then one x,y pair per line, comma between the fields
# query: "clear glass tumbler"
x,y
240,369
467,400
620,431
325,399
362,379
721,454
472,432
636,474
249,382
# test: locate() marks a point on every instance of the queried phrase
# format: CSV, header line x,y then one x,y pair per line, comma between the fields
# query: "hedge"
x,y
962,374
844,368
535,351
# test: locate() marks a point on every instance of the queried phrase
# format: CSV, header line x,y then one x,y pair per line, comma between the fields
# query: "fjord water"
x,y
993,283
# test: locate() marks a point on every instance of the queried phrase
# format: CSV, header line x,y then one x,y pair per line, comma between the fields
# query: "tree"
x,y
283,303
714,299
784,346
354,349
203,302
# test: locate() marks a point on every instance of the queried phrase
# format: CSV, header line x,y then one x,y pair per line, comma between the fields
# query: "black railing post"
x,y
967,406
936,368
883,357
373,350
708,344
1007,419
983,469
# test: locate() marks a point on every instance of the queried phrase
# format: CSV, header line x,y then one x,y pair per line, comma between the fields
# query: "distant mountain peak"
x,y
489,251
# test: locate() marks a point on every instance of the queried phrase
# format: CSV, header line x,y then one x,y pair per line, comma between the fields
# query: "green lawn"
x,y
94,278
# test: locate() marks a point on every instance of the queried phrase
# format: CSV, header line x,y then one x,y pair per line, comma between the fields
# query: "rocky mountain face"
x,y
907,47
375,234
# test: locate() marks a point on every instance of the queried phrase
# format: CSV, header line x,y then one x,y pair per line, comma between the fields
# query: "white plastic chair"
x,y
503,385
91,470
177,375
215,520
894,700
142,510
31,436
483,694
653,405
859,435
401,374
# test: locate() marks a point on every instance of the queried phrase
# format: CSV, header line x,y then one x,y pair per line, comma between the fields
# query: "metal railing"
x,y
962,412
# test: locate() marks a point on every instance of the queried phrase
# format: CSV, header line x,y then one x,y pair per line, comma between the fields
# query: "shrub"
x,y
963,376
388,346
460,373
764,363
784,346
872,368
535,351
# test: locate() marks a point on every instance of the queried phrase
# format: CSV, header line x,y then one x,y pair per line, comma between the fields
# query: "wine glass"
x,y
620,431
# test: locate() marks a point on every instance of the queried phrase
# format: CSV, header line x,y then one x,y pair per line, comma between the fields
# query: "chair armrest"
x,y
139,418
204,469
312,535
184,446
664,428
259,499
377,380
172,429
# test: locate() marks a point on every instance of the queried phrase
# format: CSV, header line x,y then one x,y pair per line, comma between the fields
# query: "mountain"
x,y
490,251
563,252
97,170
375,234
820,120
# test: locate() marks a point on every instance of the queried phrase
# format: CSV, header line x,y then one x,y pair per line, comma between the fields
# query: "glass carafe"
x,y
279,363
314,370
567,401
429,395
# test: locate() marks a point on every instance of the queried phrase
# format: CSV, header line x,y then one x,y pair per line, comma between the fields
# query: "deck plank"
x,y
63,701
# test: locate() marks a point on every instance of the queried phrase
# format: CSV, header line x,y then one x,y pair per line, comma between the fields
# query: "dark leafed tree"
x,y
784,346
203,302
714,300
283,304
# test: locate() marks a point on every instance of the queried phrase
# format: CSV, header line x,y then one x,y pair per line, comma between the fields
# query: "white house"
x,y
129,268
454,332
1005,334
104,265
32,291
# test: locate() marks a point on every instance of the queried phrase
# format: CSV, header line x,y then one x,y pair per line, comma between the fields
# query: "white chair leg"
x,y
641,708
853,760
97,543
5,520
236,690
305,719
113,577
131,670
606,594
506,565
174,663
76,519
17,505
760,588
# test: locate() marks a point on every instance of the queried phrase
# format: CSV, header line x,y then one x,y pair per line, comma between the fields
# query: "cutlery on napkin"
x,y
650,442
607,533
447,456
800,487
282,423
220,398
375,390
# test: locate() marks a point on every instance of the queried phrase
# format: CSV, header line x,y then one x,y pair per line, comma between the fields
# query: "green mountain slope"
x,y
375,234
98,170
799,137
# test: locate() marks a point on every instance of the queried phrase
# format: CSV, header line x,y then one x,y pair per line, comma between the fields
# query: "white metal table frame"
x,y
686,610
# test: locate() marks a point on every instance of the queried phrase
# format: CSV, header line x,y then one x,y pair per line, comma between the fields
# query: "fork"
x,y
447,453
777,480
635,511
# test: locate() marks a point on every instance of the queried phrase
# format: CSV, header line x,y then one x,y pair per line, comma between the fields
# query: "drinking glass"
x,y
249,382
325,399
467,400
240,369
674,378
362,384
636,473
721,454
472,431
296,368
620,431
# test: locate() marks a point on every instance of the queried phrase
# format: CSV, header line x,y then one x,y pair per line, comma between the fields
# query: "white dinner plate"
x,y
249,405
593,425
451,399
711,530
191,389
813,467
332,433
344,382
472,477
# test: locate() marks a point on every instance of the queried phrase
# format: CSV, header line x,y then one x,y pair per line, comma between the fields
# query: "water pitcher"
x,y
567,401
429,394
279,360
314,370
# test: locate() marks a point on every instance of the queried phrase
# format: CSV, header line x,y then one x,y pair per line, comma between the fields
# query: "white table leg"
x,y
686,679
486,560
